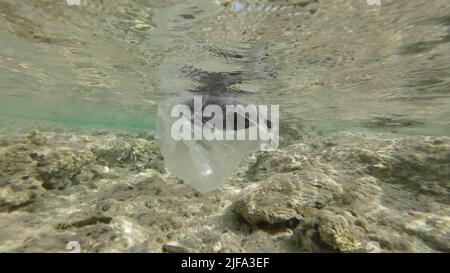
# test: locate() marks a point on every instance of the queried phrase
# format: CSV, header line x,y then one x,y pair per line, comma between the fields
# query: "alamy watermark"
x,y
211,121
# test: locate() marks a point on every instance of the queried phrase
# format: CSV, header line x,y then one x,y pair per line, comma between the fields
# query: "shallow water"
x,y
343,72
106,65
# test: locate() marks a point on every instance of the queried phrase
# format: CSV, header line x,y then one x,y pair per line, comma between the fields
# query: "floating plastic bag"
x,y
203,164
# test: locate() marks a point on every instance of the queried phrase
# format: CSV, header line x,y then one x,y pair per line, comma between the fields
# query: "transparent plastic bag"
x,y
203,164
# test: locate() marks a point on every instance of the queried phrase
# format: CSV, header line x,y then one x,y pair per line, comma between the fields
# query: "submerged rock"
x,y
374,188
58,168
15,194
343,192
331,231
136,151
284,199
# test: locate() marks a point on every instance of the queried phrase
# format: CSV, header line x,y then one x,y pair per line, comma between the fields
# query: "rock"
x,y
330,231
433,229
90,172
278,161
92,220
36,138
138,152
388,187
337,232
58,168
301,3
14,196
341,192
283,199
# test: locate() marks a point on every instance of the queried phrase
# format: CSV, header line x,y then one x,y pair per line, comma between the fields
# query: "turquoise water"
x,y
341,65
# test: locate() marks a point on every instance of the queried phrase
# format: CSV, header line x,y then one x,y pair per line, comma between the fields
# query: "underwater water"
x,y
106,65
364,98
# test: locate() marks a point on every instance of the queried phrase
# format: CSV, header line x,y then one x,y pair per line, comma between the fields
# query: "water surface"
x,y
333,65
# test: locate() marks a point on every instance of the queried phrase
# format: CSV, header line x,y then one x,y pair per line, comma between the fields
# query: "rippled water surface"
x,y
330,65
